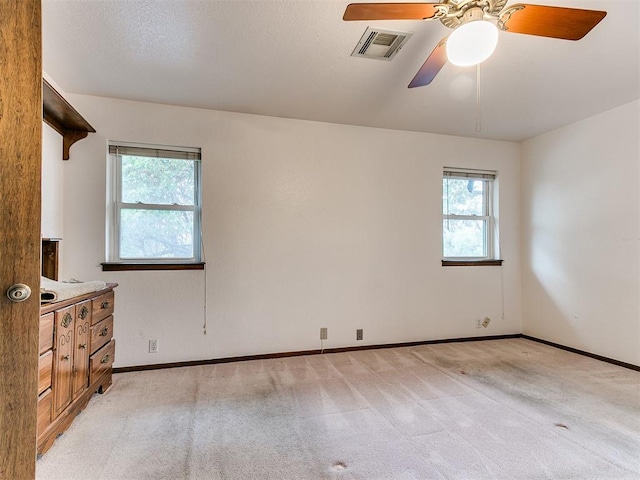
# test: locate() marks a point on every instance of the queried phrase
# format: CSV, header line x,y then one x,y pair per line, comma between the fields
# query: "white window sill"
x,y
122,266
471,263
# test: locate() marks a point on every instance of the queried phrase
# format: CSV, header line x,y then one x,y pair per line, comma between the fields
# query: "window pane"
x,y
156,234
464,238
463,196
163,181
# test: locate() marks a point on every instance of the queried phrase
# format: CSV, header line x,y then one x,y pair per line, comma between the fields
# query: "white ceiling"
x,y
291,58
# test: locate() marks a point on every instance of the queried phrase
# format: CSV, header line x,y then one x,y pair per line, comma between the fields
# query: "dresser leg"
x,y
105,384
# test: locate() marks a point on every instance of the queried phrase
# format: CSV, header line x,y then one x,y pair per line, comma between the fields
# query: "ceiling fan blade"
x,y
432,66
554,22
390,11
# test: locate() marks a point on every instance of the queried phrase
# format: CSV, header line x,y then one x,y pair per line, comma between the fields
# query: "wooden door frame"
x,y
20,211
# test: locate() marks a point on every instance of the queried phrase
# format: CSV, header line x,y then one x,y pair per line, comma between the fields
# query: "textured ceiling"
x,y
291,58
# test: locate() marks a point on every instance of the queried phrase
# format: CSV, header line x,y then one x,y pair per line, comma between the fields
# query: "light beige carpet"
x,y
499,409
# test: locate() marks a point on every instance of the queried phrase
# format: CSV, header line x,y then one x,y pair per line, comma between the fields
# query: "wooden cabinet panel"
x,y
81,351
101,333
46,332
102,360
45,363
102,307
50,256
63,359
44,411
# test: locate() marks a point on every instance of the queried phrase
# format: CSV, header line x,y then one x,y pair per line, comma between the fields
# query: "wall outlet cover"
x,y
323,333
485,322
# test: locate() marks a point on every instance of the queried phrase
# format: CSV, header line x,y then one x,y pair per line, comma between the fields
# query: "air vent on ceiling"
x,y
380,44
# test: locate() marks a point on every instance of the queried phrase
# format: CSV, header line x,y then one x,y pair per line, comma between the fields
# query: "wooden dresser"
x,y
77,350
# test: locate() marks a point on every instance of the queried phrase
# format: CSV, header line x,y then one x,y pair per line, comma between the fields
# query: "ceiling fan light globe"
x,y
472,43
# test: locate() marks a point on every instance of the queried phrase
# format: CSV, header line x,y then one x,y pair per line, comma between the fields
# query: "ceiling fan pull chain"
x,y
478,106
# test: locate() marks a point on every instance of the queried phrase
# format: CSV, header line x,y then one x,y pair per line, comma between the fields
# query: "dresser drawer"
x,y
46,332
101,333
44,371
102,307
44,411
102,361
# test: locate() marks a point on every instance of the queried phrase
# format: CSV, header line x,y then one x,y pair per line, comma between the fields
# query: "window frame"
x,y
490,239
116,206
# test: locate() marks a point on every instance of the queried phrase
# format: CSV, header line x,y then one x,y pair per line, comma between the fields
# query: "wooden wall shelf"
x,y
63,118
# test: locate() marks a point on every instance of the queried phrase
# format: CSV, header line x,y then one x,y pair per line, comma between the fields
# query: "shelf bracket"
x,y
69,137
63,118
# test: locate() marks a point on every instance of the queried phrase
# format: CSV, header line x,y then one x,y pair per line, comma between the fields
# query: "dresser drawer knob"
x,y
82,345
104,331
104,304
65,357
84,311
105,359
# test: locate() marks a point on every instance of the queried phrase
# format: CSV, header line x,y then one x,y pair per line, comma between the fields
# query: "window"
x,y
155,204
467,215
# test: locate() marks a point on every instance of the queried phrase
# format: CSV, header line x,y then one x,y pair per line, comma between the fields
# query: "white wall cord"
x,y
204,270
496,235
478,109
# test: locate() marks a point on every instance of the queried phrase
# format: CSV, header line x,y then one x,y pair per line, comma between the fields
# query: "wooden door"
x,y
63,351
81,348
20,166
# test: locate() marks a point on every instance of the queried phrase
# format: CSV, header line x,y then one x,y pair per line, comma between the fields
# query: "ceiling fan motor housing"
x,y
472,15
464,11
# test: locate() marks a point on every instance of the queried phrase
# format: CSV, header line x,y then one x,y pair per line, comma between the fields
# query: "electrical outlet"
x,y
485,322
478,323
359,334
153,346
323,333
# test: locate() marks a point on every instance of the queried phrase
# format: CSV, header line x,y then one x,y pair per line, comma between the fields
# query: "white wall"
x,y
52,183
581,251
52,191
306,225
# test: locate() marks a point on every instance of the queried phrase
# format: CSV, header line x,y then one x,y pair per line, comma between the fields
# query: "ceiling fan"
x,y
476,24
